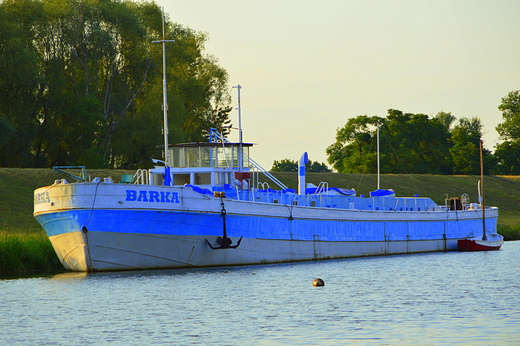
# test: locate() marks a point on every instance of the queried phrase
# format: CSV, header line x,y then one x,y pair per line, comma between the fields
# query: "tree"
x,y
287,165
446,119
198,99
82,83
353,151
465,153
507,154
510,108
419,144
316,167
19,80
409,143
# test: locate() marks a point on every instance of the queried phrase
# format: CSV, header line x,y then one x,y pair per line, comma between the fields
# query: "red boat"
x,y
493,242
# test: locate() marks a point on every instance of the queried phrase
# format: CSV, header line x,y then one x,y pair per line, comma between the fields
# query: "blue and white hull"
x,y
106,226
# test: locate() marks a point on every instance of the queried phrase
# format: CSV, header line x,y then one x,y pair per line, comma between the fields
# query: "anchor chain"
x,y
224,242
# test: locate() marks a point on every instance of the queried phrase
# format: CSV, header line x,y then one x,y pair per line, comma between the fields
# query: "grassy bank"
x,y
24,246
26,252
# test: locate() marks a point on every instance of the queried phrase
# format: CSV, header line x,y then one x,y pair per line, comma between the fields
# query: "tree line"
x,y
287,165
81,83
417,143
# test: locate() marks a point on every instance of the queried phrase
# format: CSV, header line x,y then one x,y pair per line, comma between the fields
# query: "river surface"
x,y
423,299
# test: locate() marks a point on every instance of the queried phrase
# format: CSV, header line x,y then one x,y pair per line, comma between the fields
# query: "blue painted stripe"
x,y
207,224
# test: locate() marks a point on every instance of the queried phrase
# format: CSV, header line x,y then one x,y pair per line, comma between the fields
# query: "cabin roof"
x,y
205,144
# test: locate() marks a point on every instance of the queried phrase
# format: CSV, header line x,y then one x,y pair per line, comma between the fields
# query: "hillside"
x,y
17,185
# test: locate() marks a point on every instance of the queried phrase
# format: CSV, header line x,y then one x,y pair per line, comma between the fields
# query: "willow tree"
x,y
92,80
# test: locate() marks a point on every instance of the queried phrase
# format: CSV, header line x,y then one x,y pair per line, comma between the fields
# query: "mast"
x,y
484,236
378,164
240,149
165,96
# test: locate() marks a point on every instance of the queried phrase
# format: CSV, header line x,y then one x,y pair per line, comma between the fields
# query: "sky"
x,y
306,67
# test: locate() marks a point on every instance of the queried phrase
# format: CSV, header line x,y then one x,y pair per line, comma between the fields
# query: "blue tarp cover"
x,y
200,190
381,193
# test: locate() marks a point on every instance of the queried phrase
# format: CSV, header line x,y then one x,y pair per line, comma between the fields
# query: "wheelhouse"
x,y
206,165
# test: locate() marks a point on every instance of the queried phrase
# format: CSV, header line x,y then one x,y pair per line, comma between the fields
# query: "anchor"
x,y
224,241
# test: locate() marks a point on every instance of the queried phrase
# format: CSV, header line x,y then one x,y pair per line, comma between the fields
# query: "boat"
x,y
490,243
487,241
210,204
206,209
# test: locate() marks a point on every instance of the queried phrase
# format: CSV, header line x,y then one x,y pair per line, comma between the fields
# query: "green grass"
x,y
26,252
24,245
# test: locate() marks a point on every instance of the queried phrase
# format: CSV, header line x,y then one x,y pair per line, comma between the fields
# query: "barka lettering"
x,y
142,196
152,196
131,195
42,197
164,197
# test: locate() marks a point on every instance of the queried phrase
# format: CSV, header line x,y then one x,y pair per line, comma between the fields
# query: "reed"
x,y
20,252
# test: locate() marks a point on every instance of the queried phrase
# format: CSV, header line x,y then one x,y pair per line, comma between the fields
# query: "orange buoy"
x,y
318,283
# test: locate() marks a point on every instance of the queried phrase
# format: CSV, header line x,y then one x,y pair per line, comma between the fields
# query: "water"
x,y
428,299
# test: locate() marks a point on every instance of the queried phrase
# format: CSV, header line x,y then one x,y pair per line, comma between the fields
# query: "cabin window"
x,y
294,202
224,157
181,179
207,158
157,179
245,155
192,157
178,157
313,203
212,156
202,178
